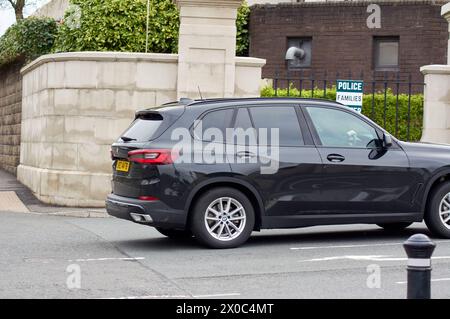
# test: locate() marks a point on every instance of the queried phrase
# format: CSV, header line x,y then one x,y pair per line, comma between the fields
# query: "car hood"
x,y
427,155
426,147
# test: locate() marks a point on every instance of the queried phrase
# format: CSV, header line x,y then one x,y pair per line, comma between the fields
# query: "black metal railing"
x,y
394,101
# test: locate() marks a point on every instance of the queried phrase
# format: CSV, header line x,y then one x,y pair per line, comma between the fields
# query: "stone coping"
x,y
435,69
208,3
123,57
101,57
253,62
445,10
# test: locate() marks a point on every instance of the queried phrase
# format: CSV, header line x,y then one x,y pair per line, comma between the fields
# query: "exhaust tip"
x,y
141,218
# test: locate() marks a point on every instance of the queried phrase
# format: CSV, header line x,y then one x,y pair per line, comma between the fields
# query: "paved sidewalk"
x,y
15,197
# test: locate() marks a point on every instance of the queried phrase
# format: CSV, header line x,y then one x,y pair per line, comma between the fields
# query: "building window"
x,y
306,45
386,53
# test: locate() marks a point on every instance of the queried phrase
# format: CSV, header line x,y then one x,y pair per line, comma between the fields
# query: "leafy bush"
x,y
27,39
416,108
120,25
242,36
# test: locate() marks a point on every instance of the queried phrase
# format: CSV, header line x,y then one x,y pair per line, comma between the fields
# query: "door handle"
x,y
245,154
335,158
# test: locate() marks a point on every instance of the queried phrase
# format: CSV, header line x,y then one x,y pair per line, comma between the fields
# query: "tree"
x,y
17,5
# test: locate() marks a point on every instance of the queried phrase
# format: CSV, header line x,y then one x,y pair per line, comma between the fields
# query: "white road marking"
x,y
433,280
355,257
151,297
217,295
367,258
343,246
179,296
356,246
107,259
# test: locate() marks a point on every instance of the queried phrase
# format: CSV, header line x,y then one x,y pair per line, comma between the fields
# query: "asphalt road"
x,y
39,254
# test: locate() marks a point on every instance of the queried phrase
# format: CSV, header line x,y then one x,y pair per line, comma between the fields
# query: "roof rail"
x,y
186,101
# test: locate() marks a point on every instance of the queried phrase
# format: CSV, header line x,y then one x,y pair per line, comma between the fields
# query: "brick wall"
x,y
341,39
10,116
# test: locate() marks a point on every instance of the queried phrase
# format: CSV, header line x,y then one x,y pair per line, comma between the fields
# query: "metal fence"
x,y
394,101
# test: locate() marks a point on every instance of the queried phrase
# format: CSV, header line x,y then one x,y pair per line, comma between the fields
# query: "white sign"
x,y
350,93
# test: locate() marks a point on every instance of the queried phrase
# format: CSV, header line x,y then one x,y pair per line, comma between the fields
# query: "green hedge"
x,y
27,39
120,25
105,25
416,109
242,35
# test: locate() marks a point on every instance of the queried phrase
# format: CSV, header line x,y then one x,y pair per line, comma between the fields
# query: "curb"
x,y
78,214
68,211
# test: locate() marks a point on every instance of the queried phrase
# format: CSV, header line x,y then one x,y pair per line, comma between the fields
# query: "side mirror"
x,y
387,140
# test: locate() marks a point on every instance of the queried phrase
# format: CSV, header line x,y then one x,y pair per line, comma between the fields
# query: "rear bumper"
x,y
154,213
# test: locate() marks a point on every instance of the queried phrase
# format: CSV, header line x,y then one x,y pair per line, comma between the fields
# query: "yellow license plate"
x,y
123,166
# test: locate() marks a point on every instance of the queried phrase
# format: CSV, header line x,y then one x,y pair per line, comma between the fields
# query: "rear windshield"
x,y
143,129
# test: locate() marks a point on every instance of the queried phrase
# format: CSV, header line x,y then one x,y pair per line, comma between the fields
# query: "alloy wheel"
x,y
225,218
444,210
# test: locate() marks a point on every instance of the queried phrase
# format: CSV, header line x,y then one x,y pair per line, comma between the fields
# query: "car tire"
x,y
395,226
175,233
435,213
226,226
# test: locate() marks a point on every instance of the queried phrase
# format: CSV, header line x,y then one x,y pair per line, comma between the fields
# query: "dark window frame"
x,y
315,134
377,40
303,141
203,115
303,123
289,67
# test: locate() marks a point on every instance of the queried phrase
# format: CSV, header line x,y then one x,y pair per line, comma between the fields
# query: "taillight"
x,y
148,198
153,157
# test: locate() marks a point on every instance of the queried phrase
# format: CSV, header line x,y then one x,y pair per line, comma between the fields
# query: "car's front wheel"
x,y
222,218
437,216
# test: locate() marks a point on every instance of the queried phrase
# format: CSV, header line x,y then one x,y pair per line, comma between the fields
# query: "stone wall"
x,y
74,106
10,116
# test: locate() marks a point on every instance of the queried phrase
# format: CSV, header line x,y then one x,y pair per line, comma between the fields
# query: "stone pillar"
x,y
436,117
206,48
445,12
436,110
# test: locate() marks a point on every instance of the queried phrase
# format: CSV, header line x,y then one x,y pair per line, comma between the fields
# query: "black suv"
x,y
220,169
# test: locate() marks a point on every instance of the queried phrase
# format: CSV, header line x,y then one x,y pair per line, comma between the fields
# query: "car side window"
x,y
341,129
214,122
244,133
243,120
283,118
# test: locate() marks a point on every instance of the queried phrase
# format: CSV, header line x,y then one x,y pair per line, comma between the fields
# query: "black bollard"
x,y
419,249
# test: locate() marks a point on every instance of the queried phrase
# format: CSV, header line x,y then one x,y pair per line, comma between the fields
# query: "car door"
x,y
281,161
360,175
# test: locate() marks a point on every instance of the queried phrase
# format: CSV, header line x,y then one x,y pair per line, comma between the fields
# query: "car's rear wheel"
x,y
222,218
437,216
175,233
395,226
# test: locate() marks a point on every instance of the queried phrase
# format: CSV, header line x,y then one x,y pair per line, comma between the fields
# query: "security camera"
x,y
294,53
